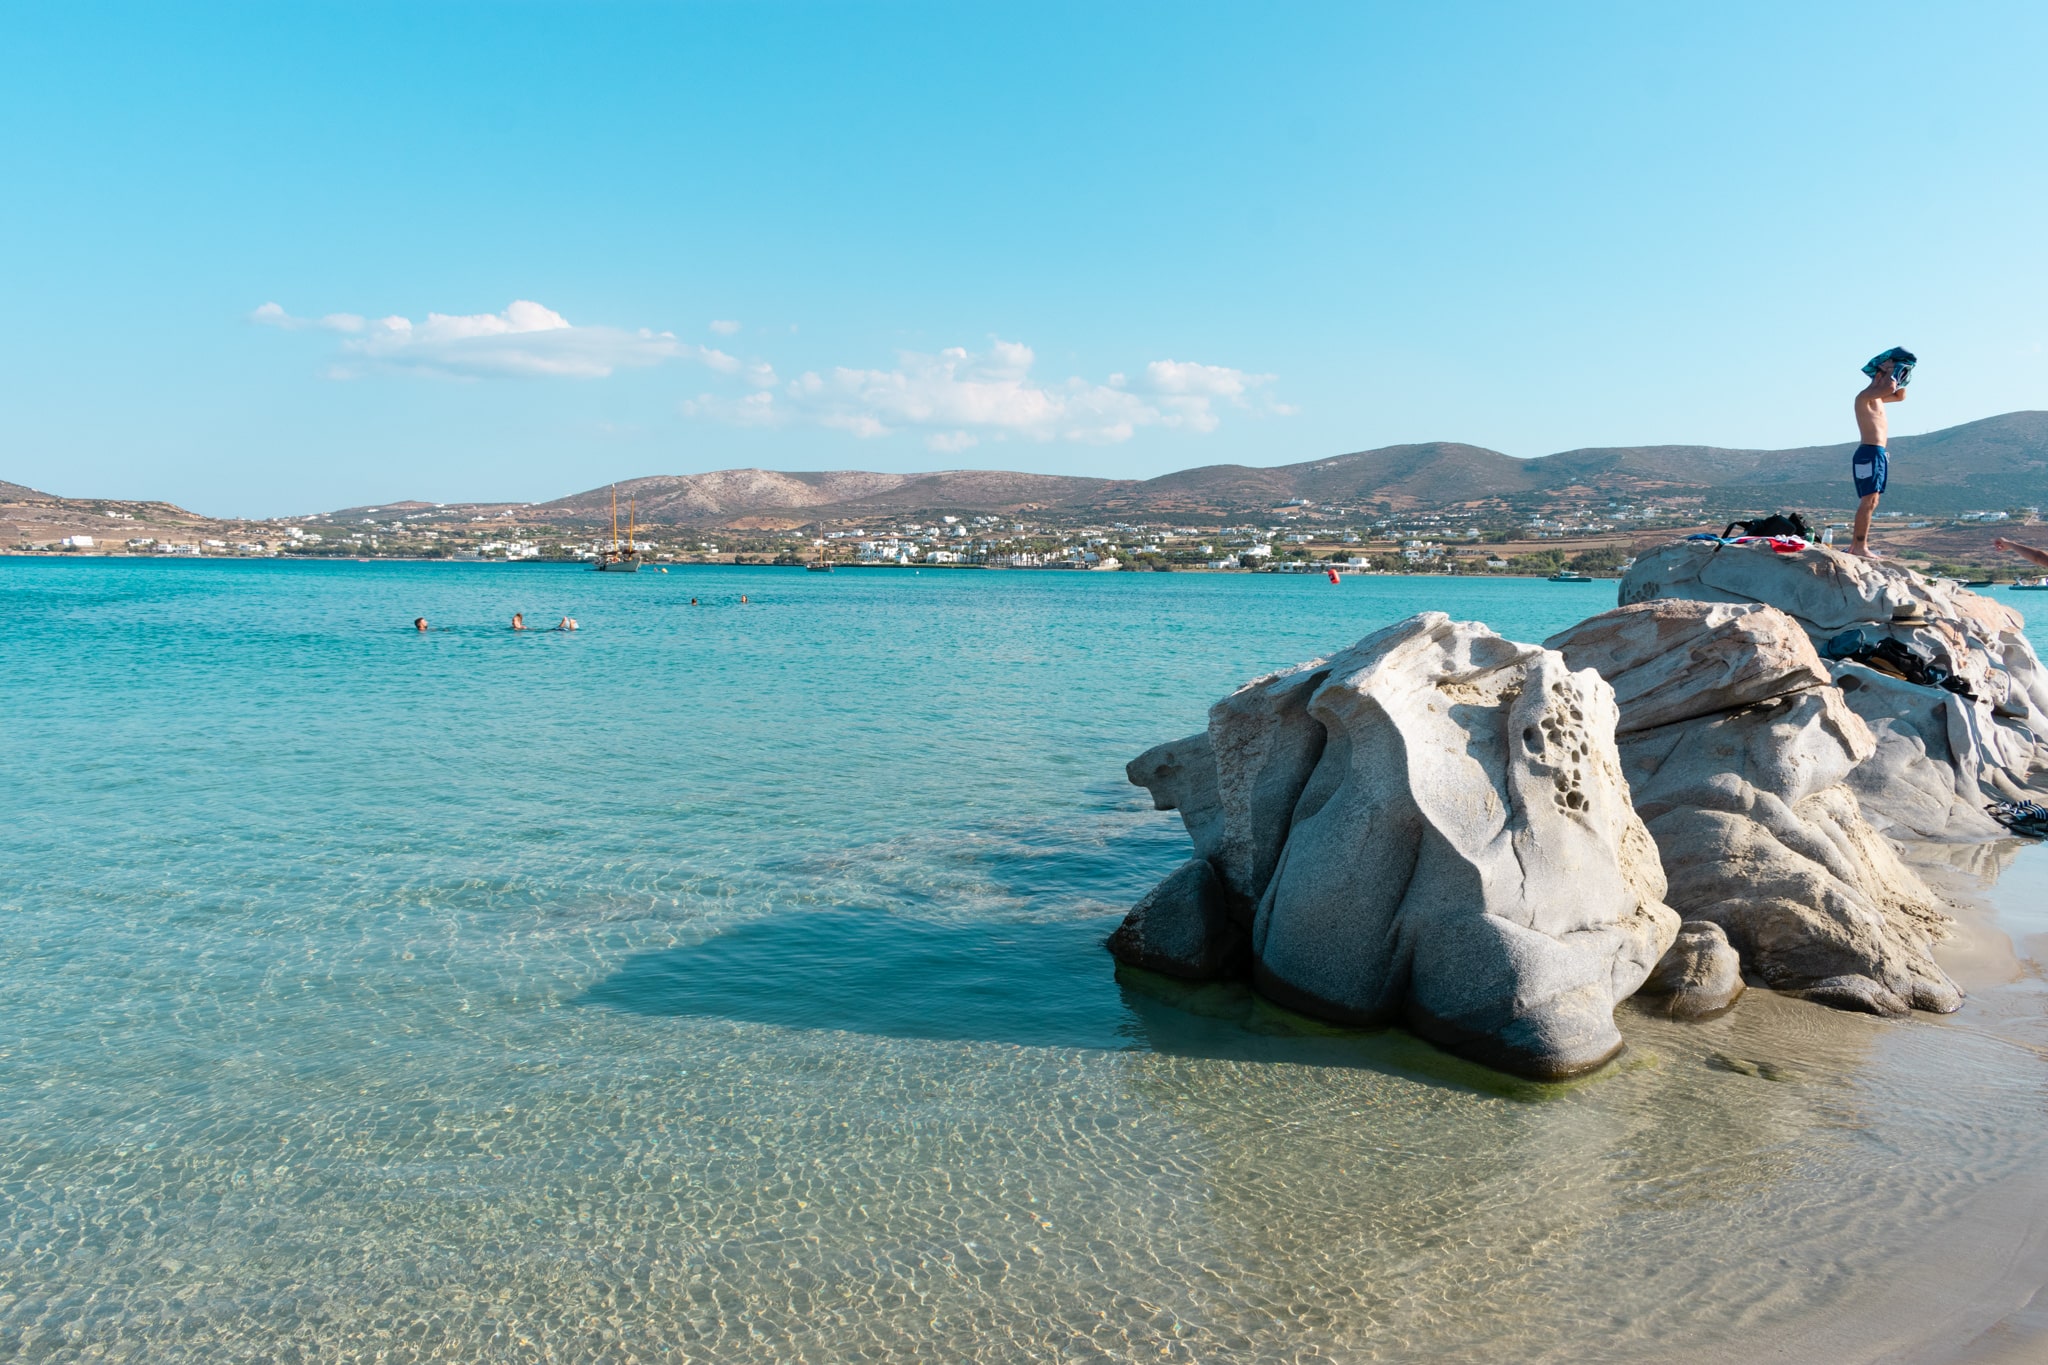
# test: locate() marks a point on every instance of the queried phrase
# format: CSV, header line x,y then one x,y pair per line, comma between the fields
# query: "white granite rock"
x,y
1699,976
1915,783
1688,659
1453,846
1266,747
1181,775
1183,928
1928,740
1751,807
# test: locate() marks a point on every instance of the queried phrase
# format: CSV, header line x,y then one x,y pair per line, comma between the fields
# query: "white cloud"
x,y
959,397
1187,377
955,399
526,340
273,315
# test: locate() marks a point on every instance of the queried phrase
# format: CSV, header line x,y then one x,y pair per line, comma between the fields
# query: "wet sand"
x,y
1978,1292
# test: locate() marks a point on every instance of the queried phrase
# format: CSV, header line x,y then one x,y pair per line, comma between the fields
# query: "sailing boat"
x,y
820,564
620,558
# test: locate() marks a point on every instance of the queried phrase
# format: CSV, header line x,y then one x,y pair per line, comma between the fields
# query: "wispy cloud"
x,y
954,400
272,315
957,398
526,340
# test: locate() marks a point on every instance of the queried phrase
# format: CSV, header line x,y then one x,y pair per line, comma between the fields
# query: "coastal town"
x,y
1293,537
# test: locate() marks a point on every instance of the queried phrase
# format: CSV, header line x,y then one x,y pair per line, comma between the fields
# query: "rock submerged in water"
x,y
1430,828
1183,928
1738,750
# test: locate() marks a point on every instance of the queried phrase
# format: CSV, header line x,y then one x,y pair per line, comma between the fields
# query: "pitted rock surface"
x,y
1747,795
1434,830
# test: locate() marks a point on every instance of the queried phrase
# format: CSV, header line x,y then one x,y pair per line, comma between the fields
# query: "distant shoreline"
x,y
1319,571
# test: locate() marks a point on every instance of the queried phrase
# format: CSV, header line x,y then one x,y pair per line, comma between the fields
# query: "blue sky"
x,y
282,258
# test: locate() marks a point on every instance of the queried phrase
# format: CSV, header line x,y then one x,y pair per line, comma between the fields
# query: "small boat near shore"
x,y
820,564
2031,585
1569,576
621,557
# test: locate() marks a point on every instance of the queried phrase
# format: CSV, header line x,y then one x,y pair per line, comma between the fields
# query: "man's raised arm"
x,y
2025,551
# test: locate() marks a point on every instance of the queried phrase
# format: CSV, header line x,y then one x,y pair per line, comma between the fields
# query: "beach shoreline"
x,y
1980,1296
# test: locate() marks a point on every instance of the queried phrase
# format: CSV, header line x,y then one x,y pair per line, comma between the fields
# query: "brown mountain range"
x,y
1992,463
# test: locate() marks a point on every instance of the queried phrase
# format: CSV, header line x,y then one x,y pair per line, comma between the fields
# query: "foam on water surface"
x,y
725,983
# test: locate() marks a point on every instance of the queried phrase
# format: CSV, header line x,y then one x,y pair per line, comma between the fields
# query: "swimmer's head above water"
x,y
518,620
419,623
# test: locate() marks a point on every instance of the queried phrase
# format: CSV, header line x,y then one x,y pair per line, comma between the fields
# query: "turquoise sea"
x,y
724,983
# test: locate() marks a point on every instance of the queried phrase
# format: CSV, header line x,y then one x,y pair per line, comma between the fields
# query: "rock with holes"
x,y
1429,828
1940,753
1699,976
1745,788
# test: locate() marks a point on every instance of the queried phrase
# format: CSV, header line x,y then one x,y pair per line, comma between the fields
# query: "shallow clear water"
x,y
725,983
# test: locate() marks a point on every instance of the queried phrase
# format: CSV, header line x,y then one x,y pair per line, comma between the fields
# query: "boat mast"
x,y
615,519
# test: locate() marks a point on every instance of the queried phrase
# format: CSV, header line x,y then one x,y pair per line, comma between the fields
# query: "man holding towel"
x,y
1871,463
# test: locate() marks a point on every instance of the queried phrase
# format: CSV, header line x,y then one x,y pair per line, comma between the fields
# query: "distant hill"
x,y
1993,463
29,516
731,494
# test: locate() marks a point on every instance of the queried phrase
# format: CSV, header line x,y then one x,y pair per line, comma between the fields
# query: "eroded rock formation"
x,y
1738,750
1699,975
1430,828
1445,829
1938,755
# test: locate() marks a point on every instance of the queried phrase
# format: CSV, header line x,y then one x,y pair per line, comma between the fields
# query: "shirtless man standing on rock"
x,y
1871,462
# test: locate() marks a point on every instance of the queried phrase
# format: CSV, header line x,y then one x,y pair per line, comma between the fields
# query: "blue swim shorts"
x,y
1869,465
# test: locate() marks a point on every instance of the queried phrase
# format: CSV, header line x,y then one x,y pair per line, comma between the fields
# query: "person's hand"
x,y
2000,543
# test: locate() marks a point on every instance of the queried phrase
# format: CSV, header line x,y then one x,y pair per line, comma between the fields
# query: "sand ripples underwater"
x,y
725,984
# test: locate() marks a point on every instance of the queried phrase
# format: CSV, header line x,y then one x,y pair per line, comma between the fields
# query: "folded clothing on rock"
x,y
2021,817
1784,545
1894,658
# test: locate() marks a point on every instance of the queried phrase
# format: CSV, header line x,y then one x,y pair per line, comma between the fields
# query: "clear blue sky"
x,y
1150,235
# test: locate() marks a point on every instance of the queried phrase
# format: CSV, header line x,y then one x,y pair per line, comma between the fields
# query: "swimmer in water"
x,y
743,599
419,623
518,620
693,601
